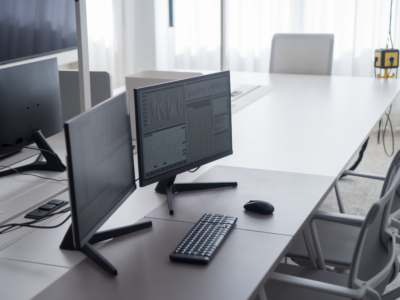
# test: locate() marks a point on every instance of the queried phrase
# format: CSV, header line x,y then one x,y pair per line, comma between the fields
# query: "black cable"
x,y
15,226
136,179
391,65
383,135
54,154
384,131
28,174
192,171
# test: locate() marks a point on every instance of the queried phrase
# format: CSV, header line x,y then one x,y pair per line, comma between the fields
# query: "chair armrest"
x,y
319,286
350,220
365,175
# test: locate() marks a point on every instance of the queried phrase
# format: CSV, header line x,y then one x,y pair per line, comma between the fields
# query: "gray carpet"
x,y
359,194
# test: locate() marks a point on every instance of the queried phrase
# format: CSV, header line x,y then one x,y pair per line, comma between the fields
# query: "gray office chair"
x,y
373,265
100,89
302,54
337,237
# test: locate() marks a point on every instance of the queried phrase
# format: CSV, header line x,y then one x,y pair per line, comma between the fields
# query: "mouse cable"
x,y
28,174
14,226
194,170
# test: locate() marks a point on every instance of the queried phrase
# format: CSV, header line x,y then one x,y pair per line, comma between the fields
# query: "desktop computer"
x,y
181,125
101,175
30,111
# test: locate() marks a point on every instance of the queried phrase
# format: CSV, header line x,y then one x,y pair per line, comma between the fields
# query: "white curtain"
x,y
359,26
105,20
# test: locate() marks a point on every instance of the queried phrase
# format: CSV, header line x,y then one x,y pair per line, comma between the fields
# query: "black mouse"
x,y
259,206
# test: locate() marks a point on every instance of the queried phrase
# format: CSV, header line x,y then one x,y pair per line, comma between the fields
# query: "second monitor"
x,y
182,125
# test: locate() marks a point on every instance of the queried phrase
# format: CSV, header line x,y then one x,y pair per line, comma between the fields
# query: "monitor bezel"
x,y
80,241
144,182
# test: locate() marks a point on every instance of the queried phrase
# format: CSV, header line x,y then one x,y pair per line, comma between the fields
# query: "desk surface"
x,y
306,124
295,197
237,270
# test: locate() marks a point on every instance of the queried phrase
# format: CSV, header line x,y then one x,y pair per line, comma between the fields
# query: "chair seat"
x,y
337,242
277,290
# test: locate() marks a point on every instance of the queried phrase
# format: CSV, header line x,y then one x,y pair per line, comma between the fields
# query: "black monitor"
x,y
30,111
31,28
101,174
182,125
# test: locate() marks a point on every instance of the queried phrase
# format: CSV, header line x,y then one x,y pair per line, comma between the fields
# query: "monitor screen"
x,y
182,125
100,165
30,28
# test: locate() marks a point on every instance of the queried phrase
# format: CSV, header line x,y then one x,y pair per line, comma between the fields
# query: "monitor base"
x,y
92,253
52,163
168,187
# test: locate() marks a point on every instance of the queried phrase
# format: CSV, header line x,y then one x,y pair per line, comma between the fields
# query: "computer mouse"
x,y
259,206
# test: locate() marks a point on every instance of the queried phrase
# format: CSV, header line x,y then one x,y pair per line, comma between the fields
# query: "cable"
x,y
384,131
390,23
54,154
388,73
47,178
38,149
15,226
136,179
192,171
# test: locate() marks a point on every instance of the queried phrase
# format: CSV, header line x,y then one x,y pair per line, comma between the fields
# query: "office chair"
x,y
337,234
309,54
373,264
100,90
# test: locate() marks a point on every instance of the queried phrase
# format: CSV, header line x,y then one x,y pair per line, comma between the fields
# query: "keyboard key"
x,y
203,239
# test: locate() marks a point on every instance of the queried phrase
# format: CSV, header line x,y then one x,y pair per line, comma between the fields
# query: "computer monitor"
x,y
30,111
101,174
182,125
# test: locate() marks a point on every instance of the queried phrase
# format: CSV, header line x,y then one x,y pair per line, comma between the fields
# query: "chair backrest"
x,y
302,54
374,261
100,90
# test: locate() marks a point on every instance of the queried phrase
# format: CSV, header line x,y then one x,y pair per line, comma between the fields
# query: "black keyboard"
x,y
202,241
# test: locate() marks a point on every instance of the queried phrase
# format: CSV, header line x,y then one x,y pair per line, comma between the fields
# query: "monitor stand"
x,y
168,187
91,252
52,163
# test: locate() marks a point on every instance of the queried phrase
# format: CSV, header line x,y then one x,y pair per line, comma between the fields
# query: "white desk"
x,y
306,124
